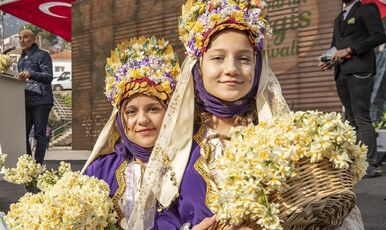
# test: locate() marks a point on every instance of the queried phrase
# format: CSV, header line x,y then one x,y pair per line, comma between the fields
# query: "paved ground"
x,y
65,153
371,196
371,193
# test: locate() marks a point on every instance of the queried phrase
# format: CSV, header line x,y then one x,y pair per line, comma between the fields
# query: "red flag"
x,y
51,15
381,6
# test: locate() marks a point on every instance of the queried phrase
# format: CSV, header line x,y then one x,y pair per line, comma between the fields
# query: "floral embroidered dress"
x,y
122,172
191,205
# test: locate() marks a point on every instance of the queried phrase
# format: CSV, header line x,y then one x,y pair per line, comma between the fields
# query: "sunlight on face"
x,y
227,66
142,117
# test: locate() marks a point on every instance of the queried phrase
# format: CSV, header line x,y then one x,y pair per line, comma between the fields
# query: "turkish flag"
x,y
381,6
51,15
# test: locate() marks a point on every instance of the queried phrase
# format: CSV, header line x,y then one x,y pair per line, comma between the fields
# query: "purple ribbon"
x,y
125,148
220,108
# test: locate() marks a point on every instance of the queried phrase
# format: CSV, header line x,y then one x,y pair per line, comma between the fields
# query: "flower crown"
x,y
202,18
141,65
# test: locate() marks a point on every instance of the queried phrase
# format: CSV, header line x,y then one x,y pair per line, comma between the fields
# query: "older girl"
x,y
225,82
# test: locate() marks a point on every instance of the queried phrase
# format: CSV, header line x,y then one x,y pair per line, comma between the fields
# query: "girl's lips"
x,y
231,82
144,131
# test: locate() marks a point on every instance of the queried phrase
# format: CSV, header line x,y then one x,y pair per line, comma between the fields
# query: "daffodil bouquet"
x,y
33,175
5,62
75,202
259,161
3,157
26,171
49,177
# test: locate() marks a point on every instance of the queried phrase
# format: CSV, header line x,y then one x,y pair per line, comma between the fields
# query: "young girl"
x,y
141,76
225,82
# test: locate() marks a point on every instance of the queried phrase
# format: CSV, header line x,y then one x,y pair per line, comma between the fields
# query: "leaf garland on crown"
x,y
141,65
202,18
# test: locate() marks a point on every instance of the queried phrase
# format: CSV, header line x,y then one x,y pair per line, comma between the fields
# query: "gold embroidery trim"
x,y
201,164
120,175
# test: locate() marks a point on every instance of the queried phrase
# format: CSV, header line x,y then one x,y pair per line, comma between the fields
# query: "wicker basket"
x,y
320,198
222,226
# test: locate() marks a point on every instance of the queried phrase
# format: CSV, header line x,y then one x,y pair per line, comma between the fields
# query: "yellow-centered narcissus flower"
x,y
259,160
75,202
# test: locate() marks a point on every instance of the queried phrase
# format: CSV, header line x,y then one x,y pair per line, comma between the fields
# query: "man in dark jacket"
x,y
357,31
35,68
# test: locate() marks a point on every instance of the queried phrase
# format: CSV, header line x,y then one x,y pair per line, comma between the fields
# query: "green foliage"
x,y
381,124
53,121
68,99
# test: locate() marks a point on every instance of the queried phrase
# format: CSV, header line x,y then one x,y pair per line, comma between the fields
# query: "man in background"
x,y
358,30
35,68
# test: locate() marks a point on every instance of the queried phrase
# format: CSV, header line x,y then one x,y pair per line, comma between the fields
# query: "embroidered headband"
x,y
141,65
202,18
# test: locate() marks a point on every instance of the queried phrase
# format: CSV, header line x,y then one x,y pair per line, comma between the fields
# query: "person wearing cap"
x,y
140,78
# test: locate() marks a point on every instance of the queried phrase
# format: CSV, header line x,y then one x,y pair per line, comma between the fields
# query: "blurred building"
x,y
302,32
61,62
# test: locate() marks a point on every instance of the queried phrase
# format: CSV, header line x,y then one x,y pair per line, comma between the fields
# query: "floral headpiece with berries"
x,y
202,18
141,65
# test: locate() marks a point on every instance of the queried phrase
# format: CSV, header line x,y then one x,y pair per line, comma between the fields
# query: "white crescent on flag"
x,y
51,15
45,8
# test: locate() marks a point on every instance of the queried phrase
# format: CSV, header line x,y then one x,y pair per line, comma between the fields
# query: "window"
x,y
64,76
59,68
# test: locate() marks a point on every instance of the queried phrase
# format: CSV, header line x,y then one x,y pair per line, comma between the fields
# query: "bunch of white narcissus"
x,y
50,177
5,63
3,157
259,160
75,202
26,171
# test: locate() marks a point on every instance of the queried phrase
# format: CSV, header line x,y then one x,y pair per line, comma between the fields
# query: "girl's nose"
x,y
231,67
143,118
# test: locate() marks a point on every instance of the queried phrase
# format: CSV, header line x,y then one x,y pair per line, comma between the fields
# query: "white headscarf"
x,y
171,152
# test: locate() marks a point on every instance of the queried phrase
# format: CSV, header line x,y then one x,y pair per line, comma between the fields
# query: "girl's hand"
x,y
241,228
205,223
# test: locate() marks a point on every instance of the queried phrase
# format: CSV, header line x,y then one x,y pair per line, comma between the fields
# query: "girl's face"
x,y
142,117
227,66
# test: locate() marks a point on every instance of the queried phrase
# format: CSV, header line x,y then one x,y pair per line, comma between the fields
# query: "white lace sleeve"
x,y
270,101
165,169
274,96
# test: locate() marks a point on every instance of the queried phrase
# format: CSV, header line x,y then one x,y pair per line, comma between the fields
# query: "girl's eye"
x,y
245,59
130,112
217,58
154,109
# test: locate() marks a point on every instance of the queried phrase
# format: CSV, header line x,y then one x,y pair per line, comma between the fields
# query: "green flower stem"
x,y
111,227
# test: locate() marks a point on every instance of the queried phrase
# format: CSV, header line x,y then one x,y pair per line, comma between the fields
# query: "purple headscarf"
x,y
128,149
219,107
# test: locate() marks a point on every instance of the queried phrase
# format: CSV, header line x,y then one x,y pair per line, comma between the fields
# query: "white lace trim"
x,y
171,152
133,178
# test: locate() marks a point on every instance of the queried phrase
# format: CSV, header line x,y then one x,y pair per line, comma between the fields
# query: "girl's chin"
x,y
146,143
